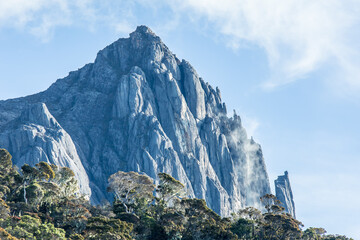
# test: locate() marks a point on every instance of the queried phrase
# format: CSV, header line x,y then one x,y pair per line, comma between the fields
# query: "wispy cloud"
x,y
299,37
38,17
42,17
251,125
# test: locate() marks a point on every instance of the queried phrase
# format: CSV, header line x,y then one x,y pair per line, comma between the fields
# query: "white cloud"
x,y
39,17
18,11
299,36
42,17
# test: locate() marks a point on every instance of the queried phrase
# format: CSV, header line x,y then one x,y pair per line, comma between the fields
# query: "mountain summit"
x,y
138,108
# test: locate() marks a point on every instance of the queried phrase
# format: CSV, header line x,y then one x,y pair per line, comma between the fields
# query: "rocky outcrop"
x,y
139,108
36,136
284,193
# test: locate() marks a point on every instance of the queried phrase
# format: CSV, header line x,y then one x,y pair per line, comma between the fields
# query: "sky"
x,y
290,69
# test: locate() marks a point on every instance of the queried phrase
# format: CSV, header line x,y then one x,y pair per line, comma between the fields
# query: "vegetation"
x,y
43,202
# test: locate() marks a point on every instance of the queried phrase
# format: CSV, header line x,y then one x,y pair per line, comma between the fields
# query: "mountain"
x,y
138,108
284,193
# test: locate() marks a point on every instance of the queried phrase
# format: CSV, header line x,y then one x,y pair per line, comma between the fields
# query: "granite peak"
x,y
138,108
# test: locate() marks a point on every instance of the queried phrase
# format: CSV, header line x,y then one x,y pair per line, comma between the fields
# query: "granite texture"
x,y
284,193
138,108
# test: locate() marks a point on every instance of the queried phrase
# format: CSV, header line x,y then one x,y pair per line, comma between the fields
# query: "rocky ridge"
x,y
138,108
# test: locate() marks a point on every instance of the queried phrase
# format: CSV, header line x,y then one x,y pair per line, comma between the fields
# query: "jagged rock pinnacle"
x,y
144,29
138,108
284,193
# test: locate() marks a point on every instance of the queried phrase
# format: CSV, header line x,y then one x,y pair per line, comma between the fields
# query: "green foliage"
x,y
131,189
30,173
281,226
43,203
243,228
31,228
319,234
45,184
9,177
204,223
46,171
5,161
157,232
313,233
268,200
4,209
66,181
4,235
247,223
70,215
51,191
336,237
34,193
76,237
169,189
105,228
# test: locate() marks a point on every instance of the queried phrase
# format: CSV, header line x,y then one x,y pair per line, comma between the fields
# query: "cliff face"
x,y
284,193
138,108
36,136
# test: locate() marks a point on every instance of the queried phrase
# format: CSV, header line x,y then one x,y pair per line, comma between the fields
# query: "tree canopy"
x,y
43,202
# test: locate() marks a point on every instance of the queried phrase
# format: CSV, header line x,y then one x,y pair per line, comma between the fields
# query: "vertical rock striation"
x,y
284,193
139,108
36,136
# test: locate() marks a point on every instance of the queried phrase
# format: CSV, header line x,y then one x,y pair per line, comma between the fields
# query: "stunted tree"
x,y
129,187
5,162
45,170
200,222
51,192
247,222
312,233
29,173
32,228
281,226
34,194
46,183
64,174
249,213
335,237
268,200
4,235
4,209
108,229
66,181
277,224
169,189
9,177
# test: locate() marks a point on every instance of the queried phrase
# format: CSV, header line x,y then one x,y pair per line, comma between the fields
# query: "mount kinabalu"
x,y
138,108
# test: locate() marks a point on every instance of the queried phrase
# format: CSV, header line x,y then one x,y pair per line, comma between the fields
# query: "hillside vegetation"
x,y
43,202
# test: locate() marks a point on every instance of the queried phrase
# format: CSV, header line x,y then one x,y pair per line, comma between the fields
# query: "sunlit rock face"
x,y
36,136
284,193
139,108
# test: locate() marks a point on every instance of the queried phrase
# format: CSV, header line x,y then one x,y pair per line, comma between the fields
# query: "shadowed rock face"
x,y
138,108
284,193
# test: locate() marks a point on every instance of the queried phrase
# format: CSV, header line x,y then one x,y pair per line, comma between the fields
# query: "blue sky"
x,y
289,68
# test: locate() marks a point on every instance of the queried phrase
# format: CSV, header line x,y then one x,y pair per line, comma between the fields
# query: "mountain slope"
x,y
139,108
